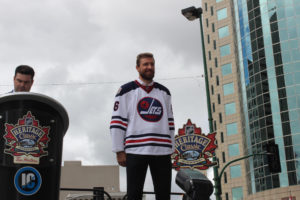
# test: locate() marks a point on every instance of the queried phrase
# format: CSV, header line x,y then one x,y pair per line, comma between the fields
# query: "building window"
x,y
230,108
225,50
235,171
210,72
226,196
213,107
228,89
226,69
220,118
225,177
215,125
212,10
223,157
222,137
216,62
217,80
237,193
205,5
233,150
209,55
222,14
206,22
208,39
213,27
215,44
223,32
231,129
219,99
212,90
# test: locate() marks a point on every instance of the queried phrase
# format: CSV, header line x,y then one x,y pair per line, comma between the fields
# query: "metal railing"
x,y
98,193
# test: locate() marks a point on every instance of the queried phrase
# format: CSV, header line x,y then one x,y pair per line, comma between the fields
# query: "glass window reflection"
x,y
235,171
237,193
231,129
226,69
233,150
230,109
225,50
228,89
222,14
223,32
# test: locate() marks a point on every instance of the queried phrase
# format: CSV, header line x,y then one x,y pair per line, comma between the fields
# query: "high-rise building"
x,y
253,62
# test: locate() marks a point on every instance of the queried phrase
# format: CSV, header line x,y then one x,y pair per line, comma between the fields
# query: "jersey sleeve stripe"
x,y
171,124
118,127
118,122
119,117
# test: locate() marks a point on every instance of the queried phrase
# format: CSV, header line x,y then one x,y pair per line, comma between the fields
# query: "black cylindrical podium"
x,y
32,127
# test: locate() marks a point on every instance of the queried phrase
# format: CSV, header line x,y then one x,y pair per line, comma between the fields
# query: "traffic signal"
x,y
273,158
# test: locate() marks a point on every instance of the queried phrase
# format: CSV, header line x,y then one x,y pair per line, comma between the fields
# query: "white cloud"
x,y
83,50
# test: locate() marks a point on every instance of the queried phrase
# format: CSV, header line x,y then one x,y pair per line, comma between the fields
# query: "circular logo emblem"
x,y
150,109
28,181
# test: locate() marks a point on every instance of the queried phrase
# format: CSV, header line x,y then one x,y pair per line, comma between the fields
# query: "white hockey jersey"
x,y
142,120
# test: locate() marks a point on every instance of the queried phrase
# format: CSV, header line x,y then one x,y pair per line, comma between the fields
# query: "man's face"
x,y
146,69
22,82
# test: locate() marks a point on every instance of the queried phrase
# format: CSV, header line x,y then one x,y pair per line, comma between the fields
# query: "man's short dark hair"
x,y
25,69
143,55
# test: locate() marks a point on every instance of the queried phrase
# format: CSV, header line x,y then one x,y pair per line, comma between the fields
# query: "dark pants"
x,y
161,172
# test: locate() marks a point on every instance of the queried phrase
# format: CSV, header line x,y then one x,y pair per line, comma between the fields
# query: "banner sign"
x,y
193,149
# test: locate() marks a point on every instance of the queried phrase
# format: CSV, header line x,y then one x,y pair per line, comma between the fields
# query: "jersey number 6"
x,y
116,106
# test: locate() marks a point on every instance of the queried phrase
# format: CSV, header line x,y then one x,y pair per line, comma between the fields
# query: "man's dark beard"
x,y
147,77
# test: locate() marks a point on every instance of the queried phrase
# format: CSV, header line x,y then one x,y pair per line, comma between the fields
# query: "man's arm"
x,y
118,127
171,120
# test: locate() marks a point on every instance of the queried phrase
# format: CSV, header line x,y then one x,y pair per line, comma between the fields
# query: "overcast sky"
x,y
84,50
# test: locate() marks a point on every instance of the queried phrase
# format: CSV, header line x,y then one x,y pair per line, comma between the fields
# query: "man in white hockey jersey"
x,y
142,131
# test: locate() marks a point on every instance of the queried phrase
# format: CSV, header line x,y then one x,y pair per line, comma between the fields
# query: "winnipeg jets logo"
x,y
150,109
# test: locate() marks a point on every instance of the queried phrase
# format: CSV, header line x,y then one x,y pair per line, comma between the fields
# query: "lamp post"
x,y
191,14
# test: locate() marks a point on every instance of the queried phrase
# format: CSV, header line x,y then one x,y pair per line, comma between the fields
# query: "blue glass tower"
x,y
253,54
269,39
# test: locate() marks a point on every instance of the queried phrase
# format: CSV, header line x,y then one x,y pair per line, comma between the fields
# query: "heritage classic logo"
x,y
193,149
26,140
150,109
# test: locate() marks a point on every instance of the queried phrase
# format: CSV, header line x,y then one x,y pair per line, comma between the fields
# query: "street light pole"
x,y
193,13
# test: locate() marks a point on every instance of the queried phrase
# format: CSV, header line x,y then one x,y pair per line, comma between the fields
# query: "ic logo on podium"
x,y
27,181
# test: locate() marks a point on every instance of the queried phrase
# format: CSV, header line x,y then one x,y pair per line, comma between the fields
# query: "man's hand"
x,y
121,158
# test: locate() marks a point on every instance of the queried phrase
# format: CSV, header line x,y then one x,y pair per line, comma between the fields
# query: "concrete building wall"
x,y
76,175
219,99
